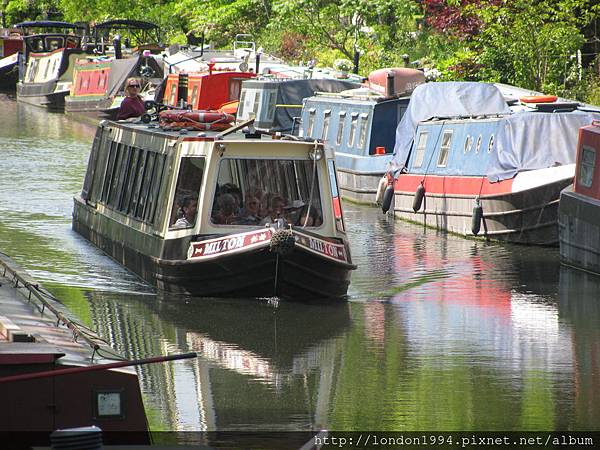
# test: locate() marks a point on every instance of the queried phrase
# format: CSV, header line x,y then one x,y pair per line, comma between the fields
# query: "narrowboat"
x,y
276,103
579,208
99,78
359,125
466,163
56,373
216,214
11,43
49,58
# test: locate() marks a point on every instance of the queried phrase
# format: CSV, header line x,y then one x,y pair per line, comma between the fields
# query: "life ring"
x,y
174,115
174,126
538,98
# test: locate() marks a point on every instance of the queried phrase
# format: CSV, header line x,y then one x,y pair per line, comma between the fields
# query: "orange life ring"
x,y
174,115
539,98
215,126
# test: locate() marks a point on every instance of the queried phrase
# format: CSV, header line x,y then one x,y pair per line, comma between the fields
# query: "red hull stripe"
x,y
452,185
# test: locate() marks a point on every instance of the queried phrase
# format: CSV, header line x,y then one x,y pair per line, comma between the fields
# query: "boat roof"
x,y
48,24
119,24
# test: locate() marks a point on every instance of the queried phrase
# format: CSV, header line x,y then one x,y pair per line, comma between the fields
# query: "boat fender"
x,y
476,217
381,189
418,199
388,196
282,242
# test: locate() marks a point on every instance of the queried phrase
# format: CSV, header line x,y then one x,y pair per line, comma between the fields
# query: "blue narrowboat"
x,y
466,163
359,126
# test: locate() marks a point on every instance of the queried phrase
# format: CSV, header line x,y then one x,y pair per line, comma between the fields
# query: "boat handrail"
x,y
34,289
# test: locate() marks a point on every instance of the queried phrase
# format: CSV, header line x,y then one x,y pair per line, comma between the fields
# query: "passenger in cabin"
x,y
309,217
230,188
188,209
249,213
275,211
132,105
226,214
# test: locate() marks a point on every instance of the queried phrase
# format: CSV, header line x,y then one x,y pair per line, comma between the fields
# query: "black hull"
x,y
97,108
300,275
579,231
42,95
8,78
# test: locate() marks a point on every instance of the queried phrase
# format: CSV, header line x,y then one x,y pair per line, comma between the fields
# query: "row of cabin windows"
x,y
132,180
446,145
84,82
355,118
245,100
35,67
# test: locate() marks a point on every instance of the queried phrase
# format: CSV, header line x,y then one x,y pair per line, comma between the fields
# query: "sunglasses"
x,y
134,85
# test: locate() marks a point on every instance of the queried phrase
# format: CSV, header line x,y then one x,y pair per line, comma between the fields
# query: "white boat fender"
x,y
381,189
283,242
476,217
418,199
388,196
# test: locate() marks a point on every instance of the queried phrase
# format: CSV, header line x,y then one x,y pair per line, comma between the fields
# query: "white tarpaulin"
x,y
447,99
535,140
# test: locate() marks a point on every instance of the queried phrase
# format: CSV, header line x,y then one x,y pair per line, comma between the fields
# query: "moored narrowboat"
x,y
56,373
99,79
11,43
481,169
360,125
49,58
579,209
216,214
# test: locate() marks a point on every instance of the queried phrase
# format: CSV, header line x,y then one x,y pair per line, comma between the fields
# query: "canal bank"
x,y
440,333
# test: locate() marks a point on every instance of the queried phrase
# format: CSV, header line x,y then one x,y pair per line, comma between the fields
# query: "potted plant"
x,y
342,65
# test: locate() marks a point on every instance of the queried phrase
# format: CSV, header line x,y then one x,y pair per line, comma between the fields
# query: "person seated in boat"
x,y
132,105
230,188
225,214
276,211
188,209
309,217
249,213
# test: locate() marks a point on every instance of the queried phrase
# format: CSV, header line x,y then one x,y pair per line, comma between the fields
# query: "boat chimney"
x,y
211,66
390,83
257,62
182,90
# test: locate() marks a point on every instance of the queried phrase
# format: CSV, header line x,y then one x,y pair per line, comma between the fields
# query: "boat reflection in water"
x,y
260,366
579,307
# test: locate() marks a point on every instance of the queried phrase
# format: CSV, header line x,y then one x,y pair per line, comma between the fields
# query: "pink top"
x,y
131,107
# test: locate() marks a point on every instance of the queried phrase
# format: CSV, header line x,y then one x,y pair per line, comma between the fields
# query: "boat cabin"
x,y
587,175
207,91
200,213
276,103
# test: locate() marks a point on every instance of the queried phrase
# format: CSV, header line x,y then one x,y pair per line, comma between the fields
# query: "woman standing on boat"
x,y
132,105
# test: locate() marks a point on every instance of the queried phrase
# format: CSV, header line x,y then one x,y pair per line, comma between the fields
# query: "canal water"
x,y
440,332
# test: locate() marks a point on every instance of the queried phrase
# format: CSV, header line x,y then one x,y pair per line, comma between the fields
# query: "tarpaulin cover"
x,y
121,69
534,140
444,99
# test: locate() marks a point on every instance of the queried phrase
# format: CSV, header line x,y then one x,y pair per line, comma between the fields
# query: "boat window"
x,y
46,71
311,122
194,96
340,133
185,203
468,143
131,177
147,181
108,174
353,125
445,148
154,190
235,85
491,144
256,106
256,192
364,124
54,43
172,95
586,167
478,145
240,112
420,152
326,118
272,105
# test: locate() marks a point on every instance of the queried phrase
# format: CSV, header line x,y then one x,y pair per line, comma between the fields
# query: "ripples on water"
x,y
440,333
